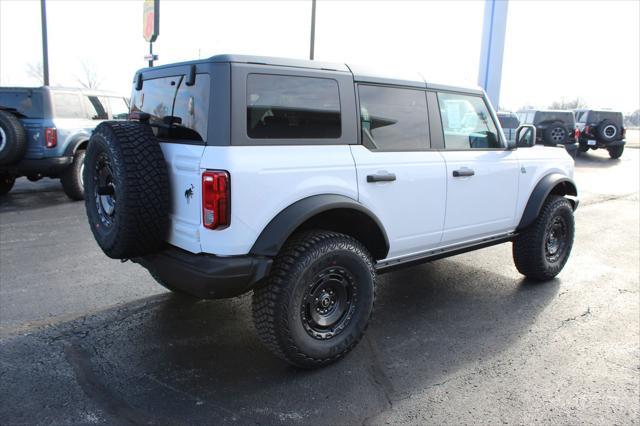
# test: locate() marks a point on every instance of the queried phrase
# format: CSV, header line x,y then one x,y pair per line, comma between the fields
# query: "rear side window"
x,y
467,123
68,105
292,107
393,119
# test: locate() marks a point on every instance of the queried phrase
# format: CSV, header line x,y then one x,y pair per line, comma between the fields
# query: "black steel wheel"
x,y
541,250
104,190
556,239
329,303
316,303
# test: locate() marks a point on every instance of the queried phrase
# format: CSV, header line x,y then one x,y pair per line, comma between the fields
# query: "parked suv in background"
x,y
509,123
302,181
601,129
553,127
44,132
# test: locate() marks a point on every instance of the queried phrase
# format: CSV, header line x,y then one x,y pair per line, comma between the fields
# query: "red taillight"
x,y
50,137
576,133
216,199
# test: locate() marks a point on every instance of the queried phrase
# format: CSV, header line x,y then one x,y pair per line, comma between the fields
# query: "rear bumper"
x,y
204,275
45,166
602,144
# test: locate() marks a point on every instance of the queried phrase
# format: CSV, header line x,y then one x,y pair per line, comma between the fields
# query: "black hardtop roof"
x,y
360,74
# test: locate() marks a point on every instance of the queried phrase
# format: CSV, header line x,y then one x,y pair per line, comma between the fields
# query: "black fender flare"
x,y
276,233
540,193
73,145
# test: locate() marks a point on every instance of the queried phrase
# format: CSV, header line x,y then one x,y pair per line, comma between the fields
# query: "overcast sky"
x,y
554,49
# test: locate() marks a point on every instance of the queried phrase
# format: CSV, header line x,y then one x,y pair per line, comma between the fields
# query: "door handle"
x,y
386,177
463,173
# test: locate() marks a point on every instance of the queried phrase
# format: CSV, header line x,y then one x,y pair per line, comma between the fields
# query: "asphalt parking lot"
x,y
85,339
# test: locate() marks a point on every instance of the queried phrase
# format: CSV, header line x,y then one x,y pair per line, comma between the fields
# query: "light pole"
x,y
45,47
313,28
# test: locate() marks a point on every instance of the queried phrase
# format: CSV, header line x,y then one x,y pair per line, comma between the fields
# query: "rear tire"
x,y
126,189
615,152
13,139
541,250
72,182
318,299
6,183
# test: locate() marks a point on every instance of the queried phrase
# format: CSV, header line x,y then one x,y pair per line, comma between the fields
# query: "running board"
x,y
428,256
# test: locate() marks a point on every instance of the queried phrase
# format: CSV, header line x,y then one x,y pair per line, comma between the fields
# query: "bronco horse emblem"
x,y
188,194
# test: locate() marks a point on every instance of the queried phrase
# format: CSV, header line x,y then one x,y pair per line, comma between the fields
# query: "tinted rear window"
x,y
181,111
292,107
26,102
598,116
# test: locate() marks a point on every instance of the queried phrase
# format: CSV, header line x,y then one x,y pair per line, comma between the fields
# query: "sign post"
x,y
151,26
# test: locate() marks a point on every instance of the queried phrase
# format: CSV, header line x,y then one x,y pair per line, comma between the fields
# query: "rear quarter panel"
x,y
267,179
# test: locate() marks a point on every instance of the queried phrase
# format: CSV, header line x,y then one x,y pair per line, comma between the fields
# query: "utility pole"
x,y
45,47
313,27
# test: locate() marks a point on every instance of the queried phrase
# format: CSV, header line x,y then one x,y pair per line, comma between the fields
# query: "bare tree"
x,y
35,71
568,104
90,78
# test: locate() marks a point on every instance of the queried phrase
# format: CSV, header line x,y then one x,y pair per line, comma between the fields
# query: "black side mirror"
x,y
525,136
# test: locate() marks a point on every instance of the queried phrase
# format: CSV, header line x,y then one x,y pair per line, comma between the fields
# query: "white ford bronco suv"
x,y
302,181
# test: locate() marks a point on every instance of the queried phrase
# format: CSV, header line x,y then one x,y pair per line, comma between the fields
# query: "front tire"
x,y
71,179
541,250
318,299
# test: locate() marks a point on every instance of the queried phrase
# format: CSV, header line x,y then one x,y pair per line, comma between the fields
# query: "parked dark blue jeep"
x,y
44,132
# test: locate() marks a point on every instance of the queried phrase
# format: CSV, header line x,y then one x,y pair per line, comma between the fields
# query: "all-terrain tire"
x,y
13,139
532,252
607,131
126,189
6,183
615,152
284,307
71,179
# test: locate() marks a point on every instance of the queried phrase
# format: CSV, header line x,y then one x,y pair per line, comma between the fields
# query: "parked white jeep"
x,y
302,181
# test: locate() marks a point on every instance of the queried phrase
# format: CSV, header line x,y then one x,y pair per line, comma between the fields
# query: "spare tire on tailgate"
x,y
13,139
555,133
126,189
607,131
